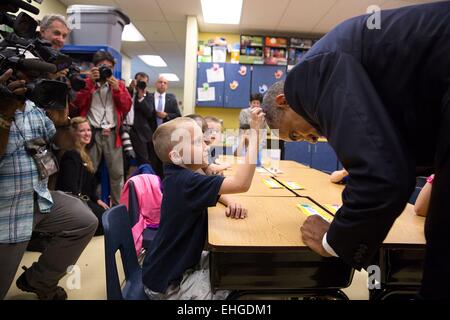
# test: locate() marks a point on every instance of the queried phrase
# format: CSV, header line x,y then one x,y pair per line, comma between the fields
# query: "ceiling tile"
x,y
343,10
155,30
177,10
90,2
302,15
142,9
167,48
392,4
179,31
263,13
133,49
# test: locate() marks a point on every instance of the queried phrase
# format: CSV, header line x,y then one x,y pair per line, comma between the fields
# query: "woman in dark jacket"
x,y
76,174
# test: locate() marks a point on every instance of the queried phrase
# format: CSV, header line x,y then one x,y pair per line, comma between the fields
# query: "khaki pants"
x,y
195,285
105,145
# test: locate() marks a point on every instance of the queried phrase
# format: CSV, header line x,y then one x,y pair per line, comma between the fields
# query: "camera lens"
x,y
141,85
105,72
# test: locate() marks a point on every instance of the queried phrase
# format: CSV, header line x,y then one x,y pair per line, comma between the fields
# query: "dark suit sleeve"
x,y
145,107
171,107
337,96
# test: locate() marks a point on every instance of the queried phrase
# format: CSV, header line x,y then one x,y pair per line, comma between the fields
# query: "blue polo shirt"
x,y
182,231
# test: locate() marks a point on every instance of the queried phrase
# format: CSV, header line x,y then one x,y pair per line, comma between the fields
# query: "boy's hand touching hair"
x,y
235,210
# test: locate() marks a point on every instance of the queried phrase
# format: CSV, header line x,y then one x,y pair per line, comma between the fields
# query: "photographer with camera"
x,y
144,121
26,204
105,101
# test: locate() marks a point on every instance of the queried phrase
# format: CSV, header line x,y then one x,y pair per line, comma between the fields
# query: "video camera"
x,y
31,57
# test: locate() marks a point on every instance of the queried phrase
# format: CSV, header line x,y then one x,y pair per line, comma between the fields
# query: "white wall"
x,y
190,69
126,68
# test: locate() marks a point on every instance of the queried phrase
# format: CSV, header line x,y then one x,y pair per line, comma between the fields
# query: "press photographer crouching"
x,y
26,204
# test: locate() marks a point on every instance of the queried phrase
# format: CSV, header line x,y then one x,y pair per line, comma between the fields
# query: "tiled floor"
x,y
92,277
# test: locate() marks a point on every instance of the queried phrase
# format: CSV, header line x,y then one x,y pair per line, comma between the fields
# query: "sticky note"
x,y
310,210
332,207
272,184
293,185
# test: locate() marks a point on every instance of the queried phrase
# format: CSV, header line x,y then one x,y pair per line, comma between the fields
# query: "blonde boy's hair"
x,y
162,138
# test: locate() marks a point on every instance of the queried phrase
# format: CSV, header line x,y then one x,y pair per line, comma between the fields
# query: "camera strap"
x,y
105,103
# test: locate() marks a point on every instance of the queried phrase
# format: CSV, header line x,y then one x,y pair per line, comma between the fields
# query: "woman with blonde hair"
x,y
76,175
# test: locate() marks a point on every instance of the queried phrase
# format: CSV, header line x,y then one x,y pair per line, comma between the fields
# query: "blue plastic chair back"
x,y
420,182
143,168
116,225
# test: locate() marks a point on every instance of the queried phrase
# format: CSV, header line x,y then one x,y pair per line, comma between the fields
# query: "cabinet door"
x,y
237,85
323,157
263,77
298,151
218,86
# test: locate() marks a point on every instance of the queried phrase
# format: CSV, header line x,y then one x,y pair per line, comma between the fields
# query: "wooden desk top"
x,y
258,188
316,183
274,220
274,224
407,229
271,222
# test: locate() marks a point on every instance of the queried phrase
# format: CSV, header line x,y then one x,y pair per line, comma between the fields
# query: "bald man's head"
x,y
161,84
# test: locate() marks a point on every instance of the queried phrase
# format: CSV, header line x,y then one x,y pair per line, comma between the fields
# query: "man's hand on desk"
x,y
313,230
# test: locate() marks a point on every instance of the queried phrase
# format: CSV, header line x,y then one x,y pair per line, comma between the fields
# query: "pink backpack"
x,y
149,197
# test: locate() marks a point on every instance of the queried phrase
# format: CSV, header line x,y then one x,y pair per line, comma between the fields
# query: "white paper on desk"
x,y
215,75
206,95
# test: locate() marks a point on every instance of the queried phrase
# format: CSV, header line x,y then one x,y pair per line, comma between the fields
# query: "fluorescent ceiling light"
x,y
170,76
130,33
153,61
222,11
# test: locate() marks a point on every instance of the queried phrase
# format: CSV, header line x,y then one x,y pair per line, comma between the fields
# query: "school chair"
x,y
420,182
133,208
118,237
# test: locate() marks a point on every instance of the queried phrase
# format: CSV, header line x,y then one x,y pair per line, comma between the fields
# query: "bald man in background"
x,y
166,109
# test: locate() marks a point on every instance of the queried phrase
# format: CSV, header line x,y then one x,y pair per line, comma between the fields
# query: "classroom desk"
x,y
401,258
316,183
264,252
258,188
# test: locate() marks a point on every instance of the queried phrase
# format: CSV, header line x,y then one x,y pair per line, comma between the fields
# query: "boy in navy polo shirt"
x,y
176,266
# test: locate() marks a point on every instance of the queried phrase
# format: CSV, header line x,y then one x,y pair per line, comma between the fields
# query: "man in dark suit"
x,y
381,96
166,109
144,120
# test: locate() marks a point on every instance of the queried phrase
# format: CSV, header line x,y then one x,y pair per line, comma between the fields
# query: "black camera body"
x,y
105,72
76,81
141,85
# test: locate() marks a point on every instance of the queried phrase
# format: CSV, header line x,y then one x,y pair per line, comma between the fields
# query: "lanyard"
x,y
104,104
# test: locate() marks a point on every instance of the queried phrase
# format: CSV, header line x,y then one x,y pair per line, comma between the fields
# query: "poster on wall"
x,y
206,94
215,74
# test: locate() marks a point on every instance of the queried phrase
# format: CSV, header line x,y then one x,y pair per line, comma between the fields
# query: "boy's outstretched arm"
x,y
242,180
